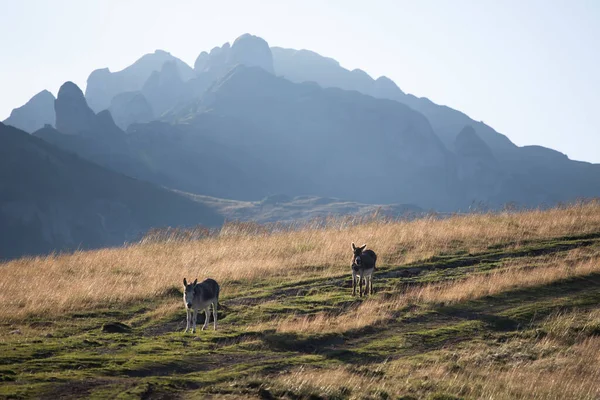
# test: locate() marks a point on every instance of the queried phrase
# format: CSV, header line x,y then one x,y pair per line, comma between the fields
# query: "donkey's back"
x,y
369,258
207,290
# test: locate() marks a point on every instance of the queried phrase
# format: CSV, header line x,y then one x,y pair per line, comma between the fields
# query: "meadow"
x,y
480,306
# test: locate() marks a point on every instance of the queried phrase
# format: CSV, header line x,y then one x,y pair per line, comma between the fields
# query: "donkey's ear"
x,y
353,246
184,282
195,282
363,247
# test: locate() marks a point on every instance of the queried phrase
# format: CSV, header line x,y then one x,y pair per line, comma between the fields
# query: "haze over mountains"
x,y
55,200
250,121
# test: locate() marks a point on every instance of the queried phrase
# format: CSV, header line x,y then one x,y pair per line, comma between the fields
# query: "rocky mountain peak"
x,y
201,62
251,51
73,115
248,50
34,114
71,91
384,87
44,95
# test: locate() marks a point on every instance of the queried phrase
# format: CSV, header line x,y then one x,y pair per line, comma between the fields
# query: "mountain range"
x,y
250,121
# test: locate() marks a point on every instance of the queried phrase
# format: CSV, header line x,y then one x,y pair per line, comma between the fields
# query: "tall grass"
x,y
241,254
572,373
514,276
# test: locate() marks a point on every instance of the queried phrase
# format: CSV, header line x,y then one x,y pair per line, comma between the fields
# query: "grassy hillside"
x,y
499,306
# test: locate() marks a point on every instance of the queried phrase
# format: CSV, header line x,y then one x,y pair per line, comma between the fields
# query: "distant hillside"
x,y
51,200
280,208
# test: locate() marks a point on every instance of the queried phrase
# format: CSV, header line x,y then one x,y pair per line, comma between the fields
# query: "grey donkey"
x,y
363,266
200,295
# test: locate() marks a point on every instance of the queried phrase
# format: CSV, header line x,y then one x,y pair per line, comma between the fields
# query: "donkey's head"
x,y
357,252
189,290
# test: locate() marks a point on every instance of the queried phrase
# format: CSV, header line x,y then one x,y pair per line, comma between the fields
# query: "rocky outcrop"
x,y
251,51
34,114
73,116
248,50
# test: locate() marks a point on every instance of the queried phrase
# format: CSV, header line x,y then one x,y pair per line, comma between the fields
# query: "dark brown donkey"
x,y
363,266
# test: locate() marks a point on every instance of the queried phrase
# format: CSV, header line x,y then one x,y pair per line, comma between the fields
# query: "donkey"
x,y
200,295
363,265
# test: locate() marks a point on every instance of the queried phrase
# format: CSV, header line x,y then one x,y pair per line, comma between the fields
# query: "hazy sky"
x,y
528,68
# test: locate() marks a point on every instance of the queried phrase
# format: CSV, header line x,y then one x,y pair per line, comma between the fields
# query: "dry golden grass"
x,y
570,327
497,281
515,371
577,262
236,257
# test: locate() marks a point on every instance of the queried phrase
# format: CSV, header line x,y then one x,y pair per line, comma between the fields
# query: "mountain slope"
x,y
305,65
34,114
530,176
342,144
53,200
280,208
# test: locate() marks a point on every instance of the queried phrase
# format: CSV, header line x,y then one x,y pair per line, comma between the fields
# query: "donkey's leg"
x,y
195,317
187,314
353,283
206,316
362,277
215,314
370,284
